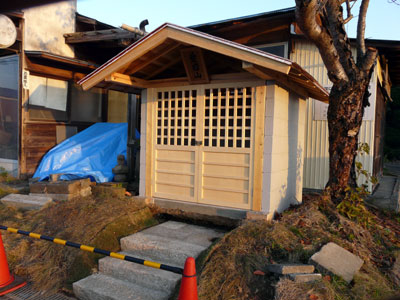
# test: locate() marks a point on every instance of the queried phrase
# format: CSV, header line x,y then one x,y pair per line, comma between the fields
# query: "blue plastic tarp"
x,y
92,153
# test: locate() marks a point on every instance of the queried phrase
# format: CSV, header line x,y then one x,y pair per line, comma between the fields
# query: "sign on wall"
x,y
195,66
321,109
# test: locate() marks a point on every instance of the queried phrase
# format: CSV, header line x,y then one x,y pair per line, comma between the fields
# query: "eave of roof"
x,y
208,42
63,59
247,18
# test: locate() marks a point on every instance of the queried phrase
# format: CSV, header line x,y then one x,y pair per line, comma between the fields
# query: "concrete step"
x,y
103,287
160,249
28,202
188,233
138,274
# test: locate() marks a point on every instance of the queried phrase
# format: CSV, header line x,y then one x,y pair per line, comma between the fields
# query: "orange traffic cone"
x,y
8,282
188,289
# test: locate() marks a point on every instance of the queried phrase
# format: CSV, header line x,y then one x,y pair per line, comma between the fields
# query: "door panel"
x,y
203,147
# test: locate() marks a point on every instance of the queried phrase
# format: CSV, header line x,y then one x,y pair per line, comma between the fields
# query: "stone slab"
x,y
160,249
102,287
188,233
337,260
139,274
283,269
305,277
29,202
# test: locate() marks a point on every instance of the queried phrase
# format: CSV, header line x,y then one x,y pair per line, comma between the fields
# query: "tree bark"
x,y
349,93
345,113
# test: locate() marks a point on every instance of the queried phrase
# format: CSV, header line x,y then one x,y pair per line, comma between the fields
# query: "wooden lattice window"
x,y
227,117
176,118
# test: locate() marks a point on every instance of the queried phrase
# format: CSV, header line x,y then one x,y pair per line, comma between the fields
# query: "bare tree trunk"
x,y
344,121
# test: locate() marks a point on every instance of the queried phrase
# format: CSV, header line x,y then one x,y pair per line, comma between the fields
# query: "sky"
x,y
383,18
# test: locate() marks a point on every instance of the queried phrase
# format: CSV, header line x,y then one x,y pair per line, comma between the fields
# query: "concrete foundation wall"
x,y
283,149
45,26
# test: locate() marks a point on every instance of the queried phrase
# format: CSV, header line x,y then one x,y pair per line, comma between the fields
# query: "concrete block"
x,y
38,187
64,187
283,269
337,260
259,216
26,201
102,287
64,197
109,190
305,277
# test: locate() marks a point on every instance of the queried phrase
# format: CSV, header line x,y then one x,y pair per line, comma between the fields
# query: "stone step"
x,y
305,277
283,269
160,249
29,202
188,233
103,287
138,274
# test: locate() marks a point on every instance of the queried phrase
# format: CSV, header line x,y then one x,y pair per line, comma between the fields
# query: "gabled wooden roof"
x,y
158,57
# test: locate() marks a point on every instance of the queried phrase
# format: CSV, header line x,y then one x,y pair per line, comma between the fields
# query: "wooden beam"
x,y
99,35
126,80
53,72
258,148
135,67
284,80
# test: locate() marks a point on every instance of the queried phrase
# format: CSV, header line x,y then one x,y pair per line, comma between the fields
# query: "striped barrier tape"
x,y
95,250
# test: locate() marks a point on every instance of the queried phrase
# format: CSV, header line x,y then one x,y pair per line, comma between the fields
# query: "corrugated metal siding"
x,y
316,155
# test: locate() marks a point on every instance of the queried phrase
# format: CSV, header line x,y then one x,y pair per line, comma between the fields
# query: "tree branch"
x,y
361,30
335,23
306,18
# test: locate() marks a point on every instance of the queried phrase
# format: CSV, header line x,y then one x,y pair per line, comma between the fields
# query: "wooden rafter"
x,y
165,67
135,67
267,74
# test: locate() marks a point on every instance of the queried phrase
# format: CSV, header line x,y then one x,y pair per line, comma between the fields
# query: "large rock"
x,y
337,260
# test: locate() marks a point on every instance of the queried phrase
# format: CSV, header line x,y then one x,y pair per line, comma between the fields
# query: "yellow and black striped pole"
x,y
95,250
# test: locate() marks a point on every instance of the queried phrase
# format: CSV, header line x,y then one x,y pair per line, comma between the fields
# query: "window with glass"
x,y
279,49
9,74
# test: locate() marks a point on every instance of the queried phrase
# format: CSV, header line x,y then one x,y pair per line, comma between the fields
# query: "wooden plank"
x,y
195,66
149,100
258,159
53,72
99,35
126,80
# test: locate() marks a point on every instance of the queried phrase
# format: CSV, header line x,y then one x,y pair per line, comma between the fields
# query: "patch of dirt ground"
x,y
96,221
231,270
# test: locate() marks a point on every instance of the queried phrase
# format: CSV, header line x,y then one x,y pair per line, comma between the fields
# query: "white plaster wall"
x,y
45,26
283,149
143,130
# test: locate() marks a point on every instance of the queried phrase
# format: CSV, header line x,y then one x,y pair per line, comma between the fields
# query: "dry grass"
x,y
98,222
228,272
